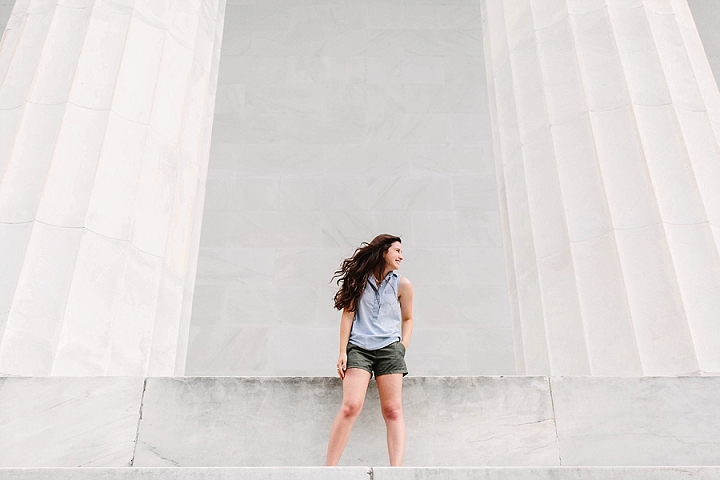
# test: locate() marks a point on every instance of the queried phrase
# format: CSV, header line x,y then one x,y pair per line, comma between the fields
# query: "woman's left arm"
x,y
405,295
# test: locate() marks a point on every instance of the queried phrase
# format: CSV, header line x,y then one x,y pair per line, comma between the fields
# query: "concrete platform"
x,y
362,473
547,473
284,421
188,473
450,421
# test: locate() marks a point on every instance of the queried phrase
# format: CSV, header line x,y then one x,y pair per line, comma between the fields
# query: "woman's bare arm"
x,y
345,325
405,295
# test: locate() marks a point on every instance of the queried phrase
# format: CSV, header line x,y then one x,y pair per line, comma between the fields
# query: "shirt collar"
x,y
372,281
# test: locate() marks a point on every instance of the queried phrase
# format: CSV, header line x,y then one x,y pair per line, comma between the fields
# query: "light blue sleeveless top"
x,y
377,315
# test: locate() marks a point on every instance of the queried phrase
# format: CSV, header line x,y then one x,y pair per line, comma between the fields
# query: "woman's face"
x,y
393,256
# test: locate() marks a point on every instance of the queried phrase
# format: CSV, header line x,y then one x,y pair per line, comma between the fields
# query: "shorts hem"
x,y
390,373
367,369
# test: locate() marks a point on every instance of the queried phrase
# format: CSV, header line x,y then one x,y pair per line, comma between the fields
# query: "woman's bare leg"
x,y
390,390
355,385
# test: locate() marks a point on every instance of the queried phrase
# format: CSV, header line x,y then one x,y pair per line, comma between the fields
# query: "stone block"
x,y
302,267
545,473
28,162
459,17
432,266
231,266
638,421
21,67
599,60
55,71
680,77
586,210
6,7
285,421
171,473
324,193
278,306
625,177
696,263
138,72
68,422
111,202
443,42
14,240
665,343
364,473
101,55
39,299
608,323
347,229
72,170
303,350
223,349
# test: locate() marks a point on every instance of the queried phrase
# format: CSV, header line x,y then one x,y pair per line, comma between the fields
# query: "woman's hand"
x,y
342,365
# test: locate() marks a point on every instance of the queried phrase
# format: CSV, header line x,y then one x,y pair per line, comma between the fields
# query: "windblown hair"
x,y
355,271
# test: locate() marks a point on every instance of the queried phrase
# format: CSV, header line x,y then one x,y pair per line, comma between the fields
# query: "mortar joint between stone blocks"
x,y
552,404
137,430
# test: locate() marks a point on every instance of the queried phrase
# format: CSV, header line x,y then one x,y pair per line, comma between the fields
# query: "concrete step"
x,y
363,473
285,421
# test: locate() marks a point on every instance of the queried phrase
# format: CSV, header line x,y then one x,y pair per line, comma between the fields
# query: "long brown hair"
x,y
354,272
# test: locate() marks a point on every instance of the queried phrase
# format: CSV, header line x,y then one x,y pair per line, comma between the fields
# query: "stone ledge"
x,y
188,473
363,473
284,421
547,473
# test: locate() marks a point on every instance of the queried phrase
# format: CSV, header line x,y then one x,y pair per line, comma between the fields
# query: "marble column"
x,y
106,109
606,121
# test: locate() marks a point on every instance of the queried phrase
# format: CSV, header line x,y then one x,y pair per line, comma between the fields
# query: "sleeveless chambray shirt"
x,y
377,315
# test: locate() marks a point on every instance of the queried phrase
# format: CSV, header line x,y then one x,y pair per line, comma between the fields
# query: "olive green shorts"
x,y
390,359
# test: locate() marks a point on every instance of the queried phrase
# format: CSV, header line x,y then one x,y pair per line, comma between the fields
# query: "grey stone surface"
x,y
707,19
638,421
286,421
336,122
547,473
363,473
189,473
6,7
68,422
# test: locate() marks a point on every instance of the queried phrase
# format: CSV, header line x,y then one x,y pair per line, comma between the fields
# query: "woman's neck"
x,y
385,274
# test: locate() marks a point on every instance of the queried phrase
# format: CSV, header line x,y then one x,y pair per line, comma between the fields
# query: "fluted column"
x,y
105,115
606,120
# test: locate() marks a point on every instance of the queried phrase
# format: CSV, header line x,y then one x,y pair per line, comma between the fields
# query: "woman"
x,y
375,302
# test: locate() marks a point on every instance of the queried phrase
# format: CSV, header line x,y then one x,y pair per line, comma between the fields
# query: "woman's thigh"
x,y
355,385
390,390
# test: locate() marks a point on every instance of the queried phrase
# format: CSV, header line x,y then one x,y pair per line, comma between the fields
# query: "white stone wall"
x,y
105,119
336,122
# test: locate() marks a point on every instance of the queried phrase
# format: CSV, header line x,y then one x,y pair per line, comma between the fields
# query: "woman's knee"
x,y
351,408
392,411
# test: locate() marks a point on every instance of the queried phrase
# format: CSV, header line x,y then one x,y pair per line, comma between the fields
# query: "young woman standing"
x,y
375,330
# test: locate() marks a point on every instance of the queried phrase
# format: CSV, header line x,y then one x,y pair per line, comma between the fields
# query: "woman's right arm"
x,y
345,326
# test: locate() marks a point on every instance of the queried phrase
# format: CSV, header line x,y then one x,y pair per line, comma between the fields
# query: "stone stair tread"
x,y
364,473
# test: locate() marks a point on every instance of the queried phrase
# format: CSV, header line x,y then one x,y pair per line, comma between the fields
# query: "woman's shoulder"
x,y
404,281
